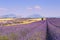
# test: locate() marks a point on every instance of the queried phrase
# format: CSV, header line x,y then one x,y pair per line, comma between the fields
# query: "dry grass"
x,y
15,21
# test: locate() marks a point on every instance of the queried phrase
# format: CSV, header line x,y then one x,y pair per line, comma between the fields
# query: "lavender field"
x,y
48,29
31,31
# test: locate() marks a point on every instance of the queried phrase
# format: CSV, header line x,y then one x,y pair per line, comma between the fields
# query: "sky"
x,y
24,8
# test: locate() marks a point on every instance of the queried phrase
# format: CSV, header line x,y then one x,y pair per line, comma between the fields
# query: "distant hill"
x,y
9,16
14,16
35,16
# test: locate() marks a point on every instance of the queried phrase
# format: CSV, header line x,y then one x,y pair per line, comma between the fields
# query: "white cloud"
x,y
3,10
29,8
37,7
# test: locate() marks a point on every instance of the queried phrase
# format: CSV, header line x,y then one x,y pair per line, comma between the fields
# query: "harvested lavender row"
x,y
53,29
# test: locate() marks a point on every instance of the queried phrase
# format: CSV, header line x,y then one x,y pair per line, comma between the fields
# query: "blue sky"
x,y
47,8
